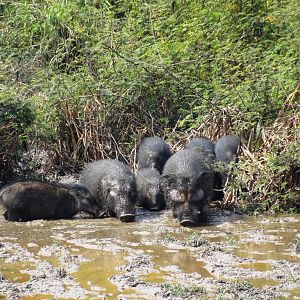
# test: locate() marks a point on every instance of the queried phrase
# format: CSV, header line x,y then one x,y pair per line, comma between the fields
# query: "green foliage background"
x,y
135,68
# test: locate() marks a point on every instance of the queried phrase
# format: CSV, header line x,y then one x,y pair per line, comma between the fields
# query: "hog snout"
x,y
187,219
127,217
95,212
154,208
188,222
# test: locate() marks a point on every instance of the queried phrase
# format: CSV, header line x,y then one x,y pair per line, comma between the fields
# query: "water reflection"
x,y
258,266
262,282
94,275
13,271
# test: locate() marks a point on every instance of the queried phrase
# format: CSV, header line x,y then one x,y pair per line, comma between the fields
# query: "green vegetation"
x,y
233,290
15,119
195,240
179,290
296,244
230,240
90,78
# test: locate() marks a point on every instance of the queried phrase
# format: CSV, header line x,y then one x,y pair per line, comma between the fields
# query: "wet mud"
x,y
234,257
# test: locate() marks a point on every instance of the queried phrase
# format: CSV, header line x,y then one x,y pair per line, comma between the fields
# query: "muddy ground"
x,y
234,257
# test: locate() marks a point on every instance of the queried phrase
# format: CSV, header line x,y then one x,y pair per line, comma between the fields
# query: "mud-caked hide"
x,y
153,153
149,189
31,200
188,183
114,186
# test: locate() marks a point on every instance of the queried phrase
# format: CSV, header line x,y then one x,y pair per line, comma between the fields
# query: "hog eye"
x,y
113,193
197,196
131,194
179,200
195,199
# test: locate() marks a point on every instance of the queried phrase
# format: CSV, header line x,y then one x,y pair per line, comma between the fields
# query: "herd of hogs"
x,y
185,181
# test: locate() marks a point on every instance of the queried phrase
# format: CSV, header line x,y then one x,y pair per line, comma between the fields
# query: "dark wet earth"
x,y
235,257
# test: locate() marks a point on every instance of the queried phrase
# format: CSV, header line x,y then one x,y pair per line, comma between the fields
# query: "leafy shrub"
x,y
101,75
269,178
15,120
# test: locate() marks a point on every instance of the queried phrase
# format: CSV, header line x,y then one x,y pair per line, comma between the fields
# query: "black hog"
x,y
188,182
226,150
31,200
153,153
149,189
114,187
202,144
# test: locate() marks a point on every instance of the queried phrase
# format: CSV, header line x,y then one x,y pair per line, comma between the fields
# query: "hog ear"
x,y
230,157
75,193
203,176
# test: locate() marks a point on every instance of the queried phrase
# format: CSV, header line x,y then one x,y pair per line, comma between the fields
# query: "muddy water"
x,y
235,257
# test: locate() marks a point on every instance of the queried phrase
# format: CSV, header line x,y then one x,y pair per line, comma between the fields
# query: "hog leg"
x,y
12,215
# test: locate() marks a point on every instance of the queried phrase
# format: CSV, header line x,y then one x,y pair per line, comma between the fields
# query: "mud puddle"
x,y
234,257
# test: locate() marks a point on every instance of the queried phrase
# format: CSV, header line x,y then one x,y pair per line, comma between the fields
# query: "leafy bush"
x,y
269,178
15,120
100,75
